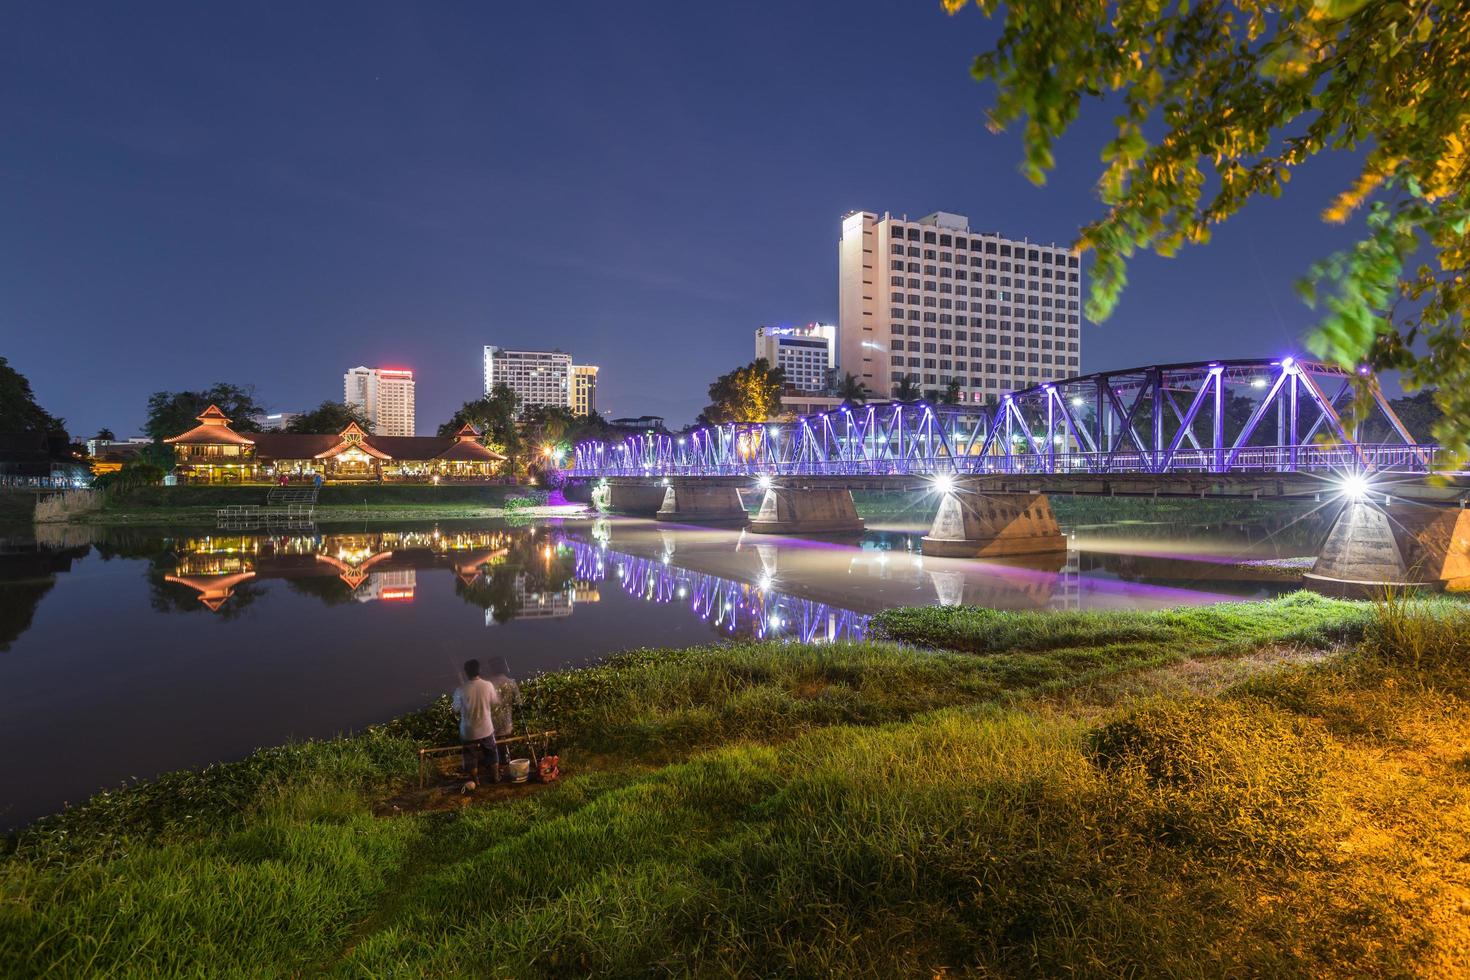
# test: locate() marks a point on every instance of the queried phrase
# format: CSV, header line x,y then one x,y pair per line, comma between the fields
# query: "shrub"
x,y
525,501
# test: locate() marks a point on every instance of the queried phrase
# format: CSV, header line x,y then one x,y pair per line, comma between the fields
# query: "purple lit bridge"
x,y
1253,428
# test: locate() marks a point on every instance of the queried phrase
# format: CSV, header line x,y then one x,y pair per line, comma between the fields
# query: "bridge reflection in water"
x,y
736,608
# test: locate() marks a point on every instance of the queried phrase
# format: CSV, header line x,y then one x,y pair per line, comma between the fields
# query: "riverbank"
x,y
193,504
1270,788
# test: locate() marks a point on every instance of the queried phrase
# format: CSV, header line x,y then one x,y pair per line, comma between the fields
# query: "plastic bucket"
x,y
519,770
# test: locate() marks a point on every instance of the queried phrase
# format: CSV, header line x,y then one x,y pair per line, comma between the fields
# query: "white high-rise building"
x,y
807,354
934,301
385,396
538,377
584,389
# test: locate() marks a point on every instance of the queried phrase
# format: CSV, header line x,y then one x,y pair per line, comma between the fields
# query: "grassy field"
x,y
1277,788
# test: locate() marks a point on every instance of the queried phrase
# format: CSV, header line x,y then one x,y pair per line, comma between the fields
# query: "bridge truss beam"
x,y
1217,417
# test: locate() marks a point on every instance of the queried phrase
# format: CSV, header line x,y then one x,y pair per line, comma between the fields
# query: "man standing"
x,y
475,701
510,697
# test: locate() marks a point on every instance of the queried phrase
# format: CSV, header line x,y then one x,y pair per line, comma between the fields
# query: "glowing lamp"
x,y
1355,486
943,483
763,481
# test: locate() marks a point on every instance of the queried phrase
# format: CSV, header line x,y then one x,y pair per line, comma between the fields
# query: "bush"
x,y
134,473
526,501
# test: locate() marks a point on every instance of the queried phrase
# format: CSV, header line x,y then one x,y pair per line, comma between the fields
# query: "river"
x,y
126,652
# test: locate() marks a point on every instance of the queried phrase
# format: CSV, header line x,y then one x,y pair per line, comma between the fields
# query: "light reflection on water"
x,y
127,652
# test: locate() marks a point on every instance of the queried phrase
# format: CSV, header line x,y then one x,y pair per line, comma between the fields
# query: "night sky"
x,y
270,194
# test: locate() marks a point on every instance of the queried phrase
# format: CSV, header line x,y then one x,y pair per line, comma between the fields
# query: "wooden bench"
x,y
544,738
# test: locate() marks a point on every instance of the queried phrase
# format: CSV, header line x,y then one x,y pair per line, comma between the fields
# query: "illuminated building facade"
x,y
212,452
584,389
538,377
807,354
931,300
384,395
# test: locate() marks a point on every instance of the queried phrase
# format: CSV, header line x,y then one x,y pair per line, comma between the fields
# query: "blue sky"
x,y
269,194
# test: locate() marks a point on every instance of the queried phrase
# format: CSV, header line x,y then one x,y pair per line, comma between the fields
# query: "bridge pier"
x,y
806,510
699,502
993,525
642,499
1370,548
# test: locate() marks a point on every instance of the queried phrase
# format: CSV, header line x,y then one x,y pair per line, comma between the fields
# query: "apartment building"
x,y
584,388
933,301
807,354
384,395
539,377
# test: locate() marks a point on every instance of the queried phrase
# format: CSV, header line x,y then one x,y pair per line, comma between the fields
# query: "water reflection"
x,y
27,574
740,584
320,631
731,607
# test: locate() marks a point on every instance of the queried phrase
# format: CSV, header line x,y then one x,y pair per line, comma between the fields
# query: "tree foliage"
x,y
495,415
907,388
1222,100
172,412
330,418
747,394
852,390
19,411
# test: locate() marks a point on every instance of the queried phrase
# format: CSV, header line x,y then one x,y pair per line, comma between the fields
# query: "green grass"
x,y
1188,631
194,502
859,809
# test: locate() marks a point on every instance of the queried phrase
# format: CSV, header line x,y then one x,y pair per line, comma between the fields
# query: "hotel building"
x,y
807,354
538,377
931,300
584,389
384,395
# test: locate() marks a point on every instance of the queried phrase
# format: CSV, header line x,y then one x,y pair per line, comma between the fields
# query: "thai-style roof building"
x,y
212,452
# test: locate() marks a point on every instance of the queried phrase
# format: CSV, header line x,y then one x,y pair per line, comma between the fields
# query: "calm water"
x,y
129,652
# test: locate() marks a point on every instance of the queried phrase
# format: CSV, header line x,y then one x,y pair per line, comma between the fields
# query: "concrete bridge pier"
x,y
642,499
1407,545
702,503
993,525
806,510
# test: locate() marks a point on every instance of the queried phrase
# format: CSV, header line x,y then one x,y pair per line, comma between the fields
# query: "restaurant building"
x,y
212,452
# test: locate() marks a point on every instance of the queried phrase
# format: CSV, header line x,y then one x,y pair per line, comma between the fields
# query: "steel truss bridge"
x,y
1243,417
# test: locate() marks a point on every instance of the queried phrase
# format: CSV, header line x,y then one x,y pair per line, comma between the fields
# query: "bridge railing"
x,y
1374,457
